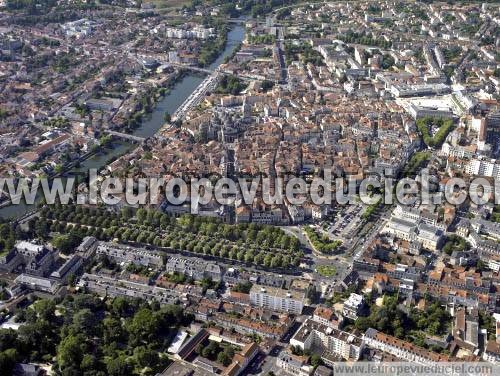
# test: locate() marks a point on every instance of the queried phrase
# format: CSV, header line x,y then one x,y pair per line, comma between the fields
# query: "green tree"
x,y
118,366
84,322
316,360
143,327
70,351
89,364
7,361
145,357
66,243
45,309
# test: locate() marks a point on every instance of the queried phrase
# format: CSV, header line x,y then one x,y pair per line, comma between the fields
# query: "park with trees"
x,y
322,243
444,127
230,84
8,236
252,244
85,335
413,325
222,353
417,161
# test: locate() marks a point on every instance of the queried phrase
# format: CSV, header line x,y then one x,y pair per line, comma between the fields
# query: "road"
x,y
280,47
341,263
263,364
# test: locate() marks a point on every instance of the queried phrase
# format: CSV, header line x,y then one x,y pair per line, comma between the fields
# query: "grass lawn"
x,y
326,270
164,4
416,161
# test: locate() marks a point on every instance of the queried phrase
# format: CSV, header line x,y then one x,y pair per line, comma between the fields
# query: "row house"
x,y
401,349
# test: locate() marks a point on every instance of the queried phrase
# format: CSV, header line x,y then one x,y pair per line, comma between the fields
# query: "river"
x,y
151,124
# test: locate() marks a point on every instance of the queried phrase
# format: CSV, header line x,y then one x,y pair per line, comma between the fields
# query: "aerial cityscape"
x,y
249,187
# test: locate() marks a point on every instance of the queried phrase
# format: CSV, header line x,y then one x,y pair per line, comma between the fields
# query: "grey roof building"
x,y
194,268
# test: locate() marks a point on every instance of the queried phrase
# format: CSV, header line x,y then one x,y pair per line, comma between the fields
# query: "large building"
x,y
194,268
124,254
352,306
404,90
484,167
37,283
430,236
277,299
197,32
488,228
328,341
69,267
37,259
108,286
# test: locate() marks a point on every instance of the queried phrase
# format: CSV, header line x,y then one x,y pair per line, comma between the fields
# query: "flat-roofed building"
x,y
195,268
277,299
138,256
352,306
331,342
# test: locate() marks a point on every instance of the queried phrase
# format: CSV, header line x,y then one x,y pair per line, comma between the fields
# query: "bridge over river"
x,y
126,136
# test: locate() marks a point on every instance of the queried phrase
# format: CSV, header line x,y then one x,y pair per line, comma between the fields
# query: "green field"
x,y
326,270
166,4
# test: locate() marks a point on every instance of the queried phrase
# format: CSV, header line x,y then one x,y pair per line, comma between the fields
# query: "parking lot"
x,y
345,224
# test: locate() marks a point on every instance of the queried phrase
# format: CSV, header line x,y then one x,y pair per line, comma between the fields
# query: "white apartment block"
x,y
277,299
439,57
484,167
29,249
493,264
197,32
352,306
314,335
